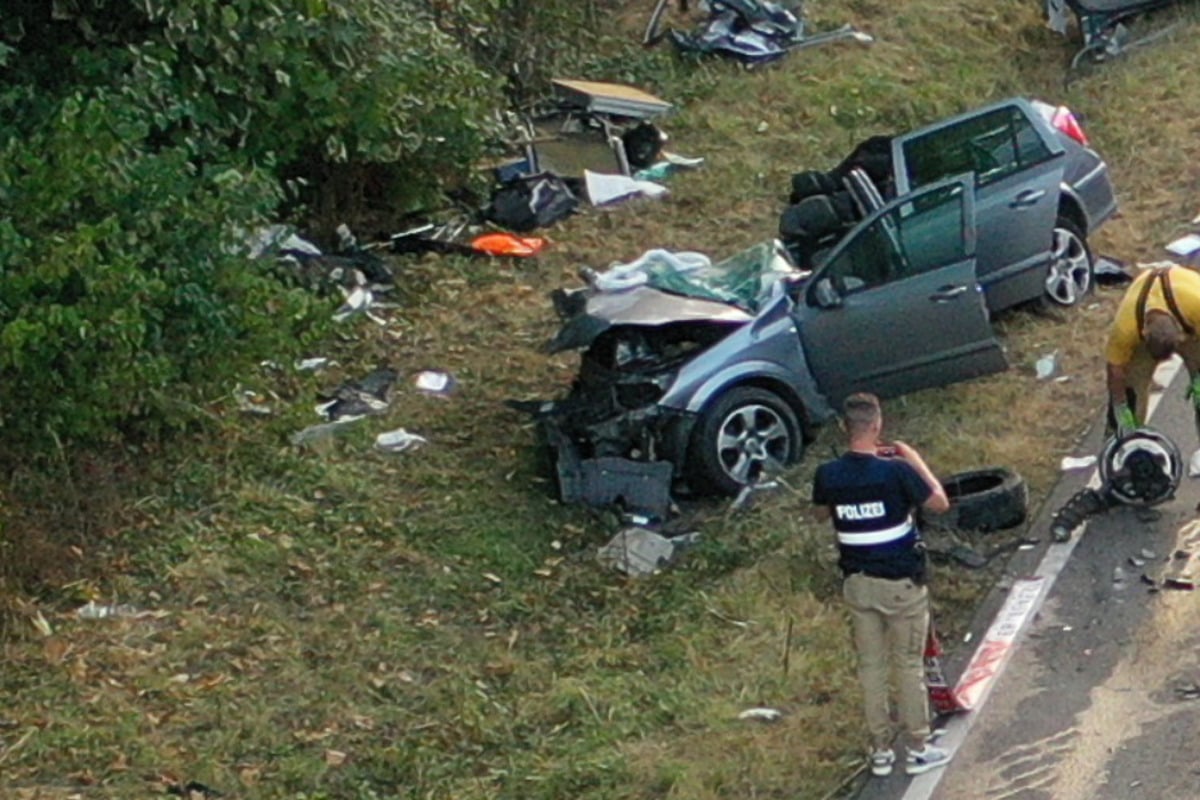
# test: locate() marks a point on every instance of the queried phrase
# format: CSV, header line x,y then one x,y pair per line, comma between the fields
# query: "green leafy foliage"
x,y
139,141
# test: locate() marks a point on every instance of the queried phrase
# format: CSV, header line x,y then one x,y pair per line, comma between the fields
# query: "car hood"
x,y
728,293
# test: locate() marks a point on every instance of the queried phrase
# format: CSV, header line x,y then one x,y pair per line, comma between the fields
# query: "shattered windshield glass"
x,y
745,280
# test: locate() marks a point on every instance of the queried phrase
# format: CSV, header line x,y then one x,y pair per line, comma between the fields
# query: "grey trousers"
x,y
891,622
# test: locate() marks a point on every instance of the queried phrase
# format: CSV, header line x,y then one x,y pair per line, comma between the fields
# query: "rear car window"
x,y
992,145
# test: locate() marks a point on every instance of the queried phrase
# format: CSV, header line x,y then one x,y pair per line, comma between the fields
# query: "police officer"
x,y
871,494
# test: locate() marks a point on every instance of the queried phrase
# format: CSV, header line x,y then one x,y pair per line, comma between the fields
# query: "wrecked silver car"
x,y
715,375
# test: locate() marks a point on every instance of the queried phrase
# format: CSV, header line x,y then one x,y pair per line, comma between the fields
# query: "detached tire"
x,y
989,499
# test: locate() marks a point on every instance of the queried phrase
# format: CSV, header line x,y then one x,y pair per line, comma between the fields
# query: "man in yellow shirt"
x,y
1158,317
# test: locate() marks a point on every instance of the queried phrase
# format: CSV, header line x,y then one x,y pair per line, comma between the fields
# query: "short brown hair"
x,y
1162,334
861,410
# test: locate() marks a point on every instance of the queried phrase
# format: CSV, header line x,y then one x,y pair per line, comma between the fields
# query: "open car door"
x,y
897,306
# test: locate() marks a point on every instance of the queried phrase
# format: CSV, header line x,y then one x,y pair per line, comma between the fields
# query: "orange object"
x,y
507,244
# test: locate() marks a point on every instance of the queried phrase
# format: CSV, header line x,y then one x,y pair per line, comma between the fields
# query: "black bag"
x,y
531,201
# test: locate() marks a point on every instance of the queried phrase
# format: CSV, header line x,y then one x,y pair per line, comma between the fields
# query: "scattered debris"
x,y
1046,366
91,610
1194,465
1119,578
638,551
193,790
312,364
745,498
251,402
1188,691
604,189
1137,562
356,399
619,276
761,714
398,441
1147,554
1102,25
1112,271
357,300
1186,249
1077,462
508,244
435,382
751,31
1141,469
942,698
529,202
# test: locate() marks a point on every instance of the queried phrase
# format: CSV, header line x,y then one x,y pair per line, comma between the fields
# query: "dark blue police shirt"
x,y
872,500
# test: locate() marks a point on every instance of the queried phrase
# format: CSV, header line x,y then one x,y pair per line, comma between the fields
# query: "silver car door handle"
x,y
947,293
1027,198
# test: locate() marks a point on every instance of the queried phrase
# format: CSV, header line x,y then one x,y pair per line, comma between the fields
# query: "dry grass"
x,y
344,624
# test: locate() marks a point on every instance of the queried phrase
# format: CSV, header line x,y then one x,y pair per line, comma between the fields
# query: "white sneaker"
x,y
925,759
882,761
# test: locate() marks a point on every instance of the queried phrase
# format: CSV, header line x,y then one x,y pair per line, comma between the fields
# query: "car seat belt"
x,y
1162,275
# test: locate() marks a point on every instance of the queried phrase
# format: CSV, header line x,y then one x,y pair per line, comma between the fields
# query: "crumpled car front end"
x,y
621,434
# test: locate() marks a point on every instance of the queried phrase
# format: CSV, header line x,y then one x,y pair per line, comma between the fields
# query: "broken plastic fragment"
x,y
309,364
602,188
1077,462
399,440
1046,366
434,381
358,301
91,610
764,714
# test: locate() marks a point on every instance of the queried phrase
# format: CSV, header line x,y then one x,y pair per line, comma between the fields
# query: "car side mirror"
x,y
825,295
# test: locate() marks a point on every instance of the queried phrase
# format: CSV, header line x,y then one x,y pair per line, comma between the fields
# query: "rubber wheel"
x,y
1070,276
984,500
745,434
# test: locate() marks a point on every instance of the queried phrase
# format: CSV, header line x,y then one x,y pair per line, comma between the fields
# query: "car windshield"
x,y
745,280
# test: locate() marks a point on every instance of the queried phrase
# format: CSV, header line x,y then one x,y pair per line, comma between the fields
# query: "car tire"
x,y
983,500
1071,274
743,436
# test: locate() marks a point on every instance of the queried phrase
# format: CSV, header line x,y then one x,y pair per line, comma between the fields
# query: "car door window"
x,y
917,236
992,145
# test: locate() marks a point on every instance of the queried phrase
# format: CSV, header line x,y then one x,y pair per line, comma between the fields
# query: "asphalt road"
x,y
1099,696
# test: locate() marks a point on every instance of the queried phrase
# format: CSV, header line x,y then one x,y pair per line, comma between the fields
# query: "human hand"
x,y
1193,391
1127,421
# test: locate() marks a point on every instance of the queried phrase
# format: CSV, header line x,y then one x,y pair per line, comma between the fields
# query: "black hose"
x,y
1083,504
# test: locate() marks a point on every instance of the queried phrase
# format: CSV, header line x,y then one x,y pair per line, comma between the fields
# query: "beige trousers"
x,y
891,622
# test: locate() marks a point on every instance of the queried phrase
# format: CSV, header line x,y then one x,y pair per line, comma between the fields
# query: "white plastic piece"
x,y
764,714
603,188
1194,465
619,277
399,440
1077,462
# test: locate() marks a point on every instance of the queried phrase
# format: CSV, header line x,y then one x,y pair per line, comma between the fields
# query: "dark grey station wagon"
x,y
723,372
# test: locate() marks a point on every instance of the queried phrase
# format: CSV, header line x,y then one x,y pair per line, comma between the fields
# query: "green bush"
x,y
136,142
